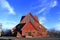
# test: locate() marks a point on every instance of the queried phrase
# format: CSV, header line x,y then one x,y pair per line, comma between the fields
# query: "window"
x,y
32,20
29,33
33,32
29,18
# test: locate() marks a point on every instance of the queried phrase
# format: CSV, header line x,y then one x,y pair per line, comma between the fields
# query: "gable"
x,y
29,17
28,26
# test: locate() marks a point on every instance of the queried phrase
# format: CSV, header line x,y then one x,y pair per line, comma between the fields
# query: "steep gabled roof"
x,y
22,18
29,14
36,24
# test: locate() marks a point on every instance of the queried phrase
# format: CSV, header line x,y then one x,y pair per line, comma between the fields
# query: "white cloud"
x,y
42,20
46,6
8,24
6,6
40,11
54,3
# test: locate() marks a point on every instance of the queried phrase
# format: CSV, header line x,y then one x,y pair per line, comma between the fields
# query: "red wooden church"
x,y
29,26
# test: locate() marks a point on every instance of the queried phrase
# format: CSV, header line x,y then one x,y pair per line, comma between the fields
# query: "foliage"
x,y
54,33
6,33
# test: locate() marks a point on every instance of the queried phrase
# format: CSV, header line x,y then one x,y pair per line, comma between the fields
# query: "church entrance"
x,y
29,34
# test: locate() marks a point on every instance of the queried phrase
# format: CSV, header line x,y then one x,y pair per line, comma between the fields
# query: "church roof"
x,y
19,26
22,18
28,15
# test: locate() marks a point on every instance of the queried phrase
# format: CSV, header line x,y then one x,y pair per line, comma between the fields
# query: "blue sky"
x,y
48,12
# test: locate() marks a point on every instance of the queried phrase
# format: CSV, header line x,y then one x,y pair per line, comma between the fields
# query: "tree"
x,y
54,33
6,33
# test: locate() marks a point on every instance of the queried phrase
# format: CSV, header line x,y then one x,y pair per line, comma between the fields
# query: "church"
x,y
29,26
